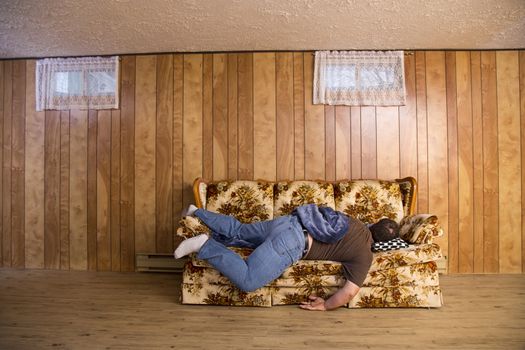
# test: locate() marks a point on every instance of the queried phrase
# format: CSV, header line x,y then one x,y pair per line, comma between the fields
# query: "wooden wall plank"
x,y
178,90
127,163
314,127
78,187
437,140
114,209
52,191
64,189
232,117
477,147
164,155
299,122
285,115
34,170
330,150
192,124
453,181
408,121
2,83
522,108
92,190
343,162
18,164
6,164
207,117
490,163
245,107
465,171
510,185
145,115
388,156
422,133
368,143
355,143
220,116
264,116
103,190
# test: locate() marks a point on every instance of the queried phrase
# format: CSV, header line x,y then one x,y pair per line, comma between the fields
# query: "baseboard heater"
x,y
158,262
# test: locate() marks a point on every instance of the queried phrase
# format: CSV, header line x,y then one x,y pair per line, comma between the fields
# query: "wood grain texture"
x,y
127,162
220,116
510,186
207,116
314,127
92,189
145,119
52,191
104,191
299,122
78,187
164,155
368,143
490,163
68,179
18,164
343,148
437,140
422,133
388,163
34,170
470,321
465,171
477,148
233,123
522,109
264,116
192,124
284,66
245,107
65,167
453,181
7,150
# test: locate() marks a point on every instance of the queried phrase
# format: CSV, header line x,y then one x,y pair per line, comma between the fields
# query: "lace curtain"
x,y
77,83
359,78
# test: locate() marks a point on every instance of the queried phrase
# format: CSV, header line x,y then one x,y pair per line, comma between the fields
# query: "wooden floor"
x,y
88,310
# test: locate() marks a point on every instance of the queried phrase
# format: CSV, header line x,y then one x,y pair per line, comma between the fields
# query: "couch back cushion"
x,y
291,194
248,201
369,200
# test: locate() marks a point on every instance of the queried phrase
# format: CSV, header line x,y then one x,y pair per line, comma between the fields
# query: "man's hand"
x,y
316,304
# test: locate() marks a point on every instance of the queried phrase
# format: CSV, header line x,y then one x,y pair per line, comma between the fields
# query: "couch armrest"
x,y
420,228
190,226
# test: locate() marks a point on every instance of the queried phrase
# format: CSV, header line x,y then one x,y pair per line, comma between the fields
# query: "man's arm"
x,y
340,298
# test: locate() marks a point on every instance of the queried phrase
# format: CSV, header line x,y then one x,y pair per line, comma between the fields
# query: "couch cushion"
x,y
369,200
291,194
248,201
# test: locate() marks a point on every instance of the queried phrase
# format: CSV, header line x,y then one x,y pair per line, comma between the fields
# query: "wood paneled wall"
x,y
89,189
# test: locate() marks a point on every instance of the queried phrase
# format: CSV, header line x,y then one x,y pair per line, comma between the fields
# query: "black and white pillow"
x,y
396,243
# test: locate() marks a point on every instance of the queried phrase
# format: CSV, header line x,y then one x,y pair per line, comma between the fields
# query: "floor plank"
x,y
111,310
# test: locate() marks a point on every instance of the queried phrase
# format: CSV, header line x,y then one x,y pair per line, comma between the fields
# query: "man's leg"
x,y
266,263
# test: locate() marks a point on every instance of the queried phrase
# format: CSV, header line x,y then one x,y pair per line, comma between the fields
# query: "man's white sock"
x,y
191,245
189,212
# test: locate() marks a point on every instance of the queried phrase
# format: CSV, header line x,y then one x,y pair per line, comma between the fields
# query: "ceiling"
x,y
35,28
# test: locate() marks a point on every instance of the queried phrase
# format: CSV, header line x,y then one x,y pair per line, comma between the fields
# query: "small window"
x,y
359,78
77,83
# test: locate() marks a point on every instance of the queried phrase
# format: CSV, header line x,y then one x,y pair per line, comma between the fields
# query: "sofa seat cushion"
x,y
414,254
369,200
292,194
248,201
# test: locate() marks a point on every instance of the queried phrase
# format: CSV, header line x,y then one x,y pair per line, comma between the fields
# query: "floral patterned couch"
x,y
399,278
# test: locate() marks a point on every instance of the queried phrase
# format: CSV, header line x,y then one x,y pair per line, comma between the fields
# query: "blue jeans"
x,y
278,244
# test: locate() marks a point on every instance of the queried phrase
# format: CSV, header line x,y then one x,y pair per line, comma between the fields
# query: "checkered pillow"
x,y
396,243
